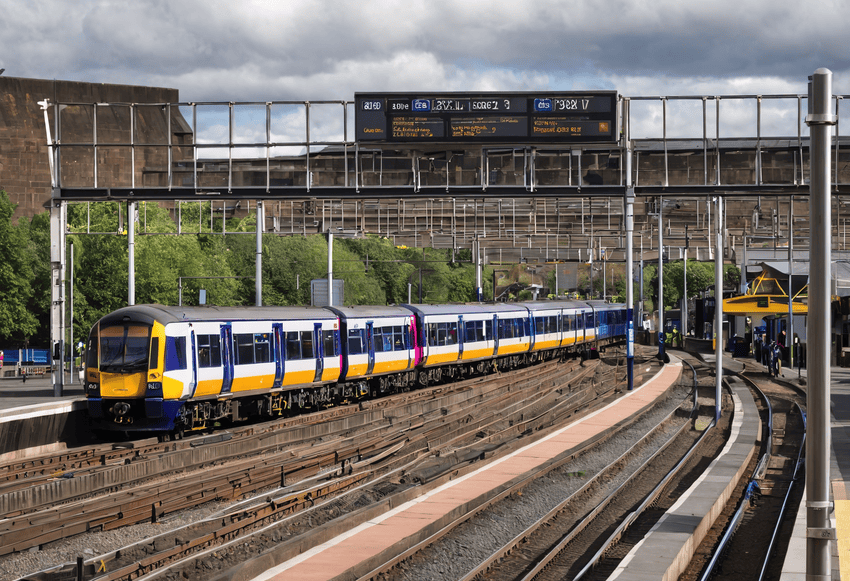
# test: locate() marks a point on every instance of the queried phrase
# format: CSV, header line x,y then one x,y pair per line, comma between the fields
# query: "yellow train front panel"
x,y
123,386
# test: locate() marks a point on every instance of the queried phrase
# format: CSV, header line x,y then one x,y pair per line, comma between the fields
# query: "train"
x,y
173,369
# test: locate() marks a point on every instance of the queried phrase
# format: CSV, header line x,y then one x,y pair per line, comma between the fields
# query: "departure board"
x,y
486,117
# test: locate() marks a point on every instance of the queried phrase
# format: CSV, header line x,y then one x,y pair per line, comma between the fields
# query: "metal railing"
x,y
269,149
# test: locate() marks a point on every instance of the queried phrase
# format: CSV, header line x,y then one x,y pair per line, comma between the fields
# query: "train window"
x,y
244,348
329,343
209,351
293,346
262,348
307,351
91,349
488,330
355,341
540,325
475,331
153,362
175,353
398,338
432,335
441,333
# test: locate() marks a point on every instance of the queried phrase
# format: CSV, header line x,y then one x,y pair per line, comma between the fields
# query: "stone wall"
x,y
24,164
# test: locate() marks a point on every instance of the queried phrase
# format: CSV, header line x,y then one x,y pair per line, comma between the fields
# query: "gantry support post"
x,y
630,261
818,529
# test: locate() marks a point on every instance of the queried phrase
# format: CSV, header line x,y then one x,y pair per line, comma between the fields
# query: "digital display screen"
x,y
487,117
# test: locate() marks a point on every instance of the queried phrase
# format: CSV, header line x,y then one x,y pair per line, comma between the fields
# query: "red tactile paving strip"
x,y
378,535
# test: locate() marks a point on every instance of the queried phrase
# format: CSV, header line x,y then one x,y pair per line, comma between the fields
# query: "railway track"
x,y
554,535
431,434
756,527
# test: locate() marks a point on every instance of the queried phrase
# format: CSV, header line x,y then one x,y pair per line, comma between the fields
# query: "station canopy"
x,y
768,293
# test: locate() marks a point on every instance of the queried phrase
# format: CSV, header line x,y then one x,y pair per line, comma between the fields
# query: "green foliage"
x,y
17,257
700,279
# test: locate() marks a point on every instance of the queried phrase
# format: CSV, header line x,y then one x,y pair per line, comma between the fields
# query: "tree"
x,y
16,276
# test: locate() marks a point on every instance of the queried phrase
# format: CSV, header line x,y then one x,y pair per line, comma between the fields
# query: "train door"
x,y
279,351
461,335
193,386
318,350
495,335
227,357
532,327
370,327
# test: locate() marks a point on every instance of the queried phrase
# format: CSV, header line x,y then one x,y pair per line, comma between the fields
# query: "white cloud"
x,y
328,49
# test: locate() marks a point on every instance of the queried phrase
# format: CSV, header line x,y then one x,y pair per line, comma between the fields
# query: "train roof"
x,y
463,309
171,314
370,311
603,306
549,305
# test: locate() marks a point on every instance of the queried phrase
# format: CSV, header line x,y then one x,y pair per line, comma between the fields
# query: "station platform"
x,y
33,420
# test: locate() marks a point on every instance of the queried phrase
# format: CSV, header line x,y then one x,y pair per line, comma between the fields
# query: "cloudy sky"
x,y
263,50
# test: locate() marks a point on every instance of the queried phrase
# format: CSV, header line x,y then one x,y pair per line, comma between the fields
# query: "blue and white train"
x,y
155,368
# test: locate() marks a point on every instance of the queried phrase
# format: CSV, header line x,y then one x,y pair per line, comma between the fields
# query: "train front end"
x,y
124,376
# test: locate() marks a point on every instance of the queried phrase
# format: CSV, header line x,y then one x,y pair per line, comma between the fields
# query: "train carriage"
x,y
376,341
609,320
169,356
466,335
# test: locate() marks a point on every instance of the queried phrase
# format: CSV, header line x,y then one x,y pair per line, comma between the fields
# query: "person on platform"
x,y
771,358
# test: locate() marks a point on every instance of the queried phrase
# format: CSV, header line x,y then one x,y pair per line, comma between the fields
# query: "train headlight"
x,y
93,389
154,389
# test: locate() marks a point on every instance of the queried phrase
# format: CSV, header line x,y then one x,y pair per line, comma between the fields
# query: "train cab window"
x,y
153,362
209,351
355,341
244,348
329,344
91,350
